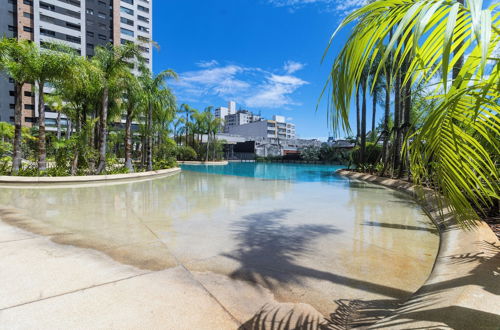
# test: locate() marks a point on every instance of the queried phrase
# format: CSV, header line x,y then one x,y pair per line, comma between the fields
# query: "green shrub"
x,y
164,164
186,153
372,154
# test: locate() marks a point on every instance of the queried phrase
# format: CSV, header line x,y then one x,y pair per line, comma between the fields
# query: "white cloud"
x,y
292,66
207,64
340,7
275,92
250,86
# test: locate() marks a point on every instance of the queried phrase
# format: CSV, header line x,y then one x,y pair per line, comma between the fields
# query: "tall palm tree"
x,y
456,147
156,95
188,112
133,105
14,60
112,63
45,66
56,103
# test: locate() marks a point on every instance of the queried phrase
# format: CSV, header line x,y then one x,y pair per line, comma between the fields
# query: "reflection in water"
x,y
315,239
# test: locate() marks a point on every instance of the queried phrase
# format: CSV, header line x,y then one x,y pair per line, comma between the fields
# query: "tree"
x,y
47,65
112,62
156,96
14,60
133,106
188,111
455,149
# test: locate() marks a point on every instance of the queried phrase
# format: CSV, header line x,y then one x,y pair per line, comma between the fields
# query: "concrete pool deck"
x,y
197,251
463,290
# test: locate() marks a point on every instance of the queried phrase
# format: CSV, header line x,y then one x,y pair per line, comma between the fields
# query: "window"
x,y
90,34
102,15
28,2
143,29
90,11
12,106
73,26
129,1
28,93
28,15
29,119
47,6
126,21
73,39
144,9
12,93
47,33
102,37
142,18
126,10
90,46
27,29
127,32
29,107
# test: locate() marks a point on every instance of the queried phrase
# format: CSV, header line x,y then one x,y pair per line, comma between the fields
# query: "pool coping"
x,y
461,290
27,180
192,162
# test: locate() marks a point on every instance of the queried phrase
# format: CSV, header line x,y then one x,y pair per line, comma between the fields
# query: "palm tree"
x,y
14,60
112,62
133,104
188,112
56,104
156,95
456,147
47,65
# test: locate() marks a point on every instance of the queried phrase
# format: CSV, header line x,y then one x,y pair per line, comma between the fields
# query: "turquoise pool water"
x,y
273,171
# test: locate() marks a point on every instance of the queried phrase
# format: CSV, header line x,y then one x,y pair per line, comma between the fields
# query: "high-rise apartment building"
x,y
81,25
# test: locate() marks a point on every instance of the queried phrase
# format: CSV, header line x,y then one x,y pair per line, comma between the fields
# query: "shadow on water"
x,y
267,250
399,226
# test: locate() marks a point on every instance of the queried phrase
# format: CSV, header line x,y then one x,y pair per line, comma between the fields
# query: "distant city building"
x,y
241,117
264,129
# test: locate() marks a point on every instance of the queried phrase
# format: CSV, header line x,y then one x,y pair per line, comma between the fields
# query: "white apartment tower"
x,y
80,24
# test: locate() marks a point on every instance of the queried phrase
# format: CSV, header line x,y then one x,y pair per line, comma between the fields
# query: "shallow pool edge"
x,y
460,291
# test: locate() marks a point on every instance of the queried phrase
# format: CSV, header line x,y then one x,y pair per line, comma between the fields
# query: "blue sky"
x,y
263,54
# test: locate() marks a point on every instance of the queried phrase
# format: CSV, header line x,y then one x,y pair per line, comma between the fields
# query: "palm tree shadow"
x,y
267,247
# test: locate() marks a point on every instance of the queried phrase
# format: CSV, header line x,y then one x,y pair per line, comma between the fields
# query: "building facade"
x,y
81,25
277,129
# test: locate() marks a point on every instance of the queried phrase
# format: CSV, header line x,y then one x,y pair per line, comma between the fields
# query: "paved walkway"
x,y
45,285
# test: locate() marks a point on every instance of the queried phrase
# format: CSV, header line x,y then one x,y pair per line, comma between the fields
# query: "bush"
x,y
310,154
372,154
186,153
164,164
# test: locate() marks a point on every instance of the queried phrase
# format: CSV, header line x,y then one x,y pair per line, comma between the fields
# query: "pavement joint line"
x,y
75,291
17,240
187,270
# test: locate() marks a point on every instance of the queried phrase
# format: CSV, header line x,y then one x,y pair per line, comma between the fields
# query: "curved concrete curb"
x,y
21,180
220,163
463,289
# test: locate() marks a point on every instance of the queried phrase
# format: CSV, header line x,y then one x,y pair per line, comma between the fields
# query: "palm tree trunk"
x,y
387,113
374,111
358,123
103,131
363,123
16,158
128,141
68,129
42,151
58,125
150,138
208,146
397,123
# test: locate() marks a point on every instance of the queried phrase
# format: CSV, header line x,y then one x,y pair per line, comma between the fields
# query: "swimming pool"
x,y
293,233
